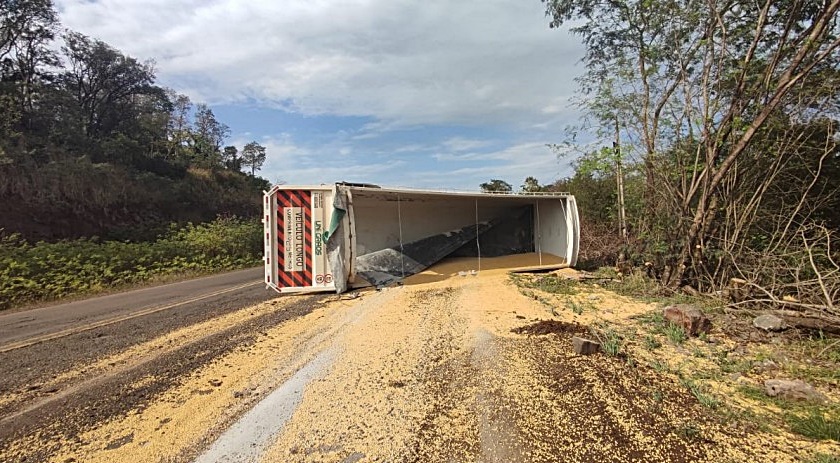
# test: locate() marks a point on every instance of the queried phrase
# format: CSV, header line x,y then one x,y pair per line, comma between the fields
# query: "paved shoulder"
x,y
18,329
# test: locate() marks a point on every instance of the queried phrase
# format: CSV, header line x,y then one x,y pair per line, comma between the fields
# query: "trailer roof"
x,y
477,194
359,187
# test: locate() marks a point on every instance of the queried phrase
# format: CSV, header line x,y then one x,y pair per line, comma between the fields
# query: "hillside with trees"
x,y
91,145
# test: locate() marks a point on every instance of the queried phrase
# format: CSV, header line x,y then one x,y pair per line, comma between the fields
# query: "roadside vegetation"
x,y
91,145
708,177
41,271
107,178
725,370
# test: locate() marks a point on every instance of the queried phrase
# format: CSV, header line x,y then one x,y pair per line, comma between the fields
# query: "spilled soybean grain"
x,y
46,429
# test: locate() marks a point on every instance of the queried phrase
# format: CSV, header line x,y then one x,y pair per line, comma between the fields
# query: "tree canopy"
x,y
76,102
726,106
496,186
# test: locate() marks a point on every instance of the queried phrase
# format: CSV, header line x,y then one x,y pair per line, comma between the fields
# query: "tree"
x,y
697,84
496,186
253,156
531,185
28,28
103,84
231,159
209,135
179,133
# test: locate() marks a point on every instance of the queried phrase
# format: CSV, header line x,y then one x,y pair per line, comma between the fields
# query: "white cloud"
x,y
459,144
512,164
473,62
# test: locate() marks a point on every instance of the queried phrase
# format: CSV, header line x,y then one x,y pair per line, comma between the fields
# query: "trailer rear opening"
x,y
331,238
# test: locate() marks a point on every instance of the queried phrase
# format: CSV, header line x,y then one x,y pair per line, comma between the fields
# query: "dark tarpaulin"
x,y
389,265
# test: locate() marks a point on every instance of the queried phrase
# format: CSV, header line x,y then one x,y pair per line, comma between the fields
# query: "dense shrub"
x,y
44,271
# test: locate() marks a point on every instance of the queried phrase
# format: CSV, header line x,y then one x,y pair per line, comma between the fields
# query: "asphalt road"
x,y
25,328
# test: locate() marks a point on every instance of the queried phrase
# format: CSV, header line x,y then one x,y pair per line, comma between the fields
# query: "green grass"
x,y
660,366
611,342
658,324
49,271
675,333
824,458
705,398
579,308
550,283
822,347
755,393
533,295
651,343
689,431
815,425
638,286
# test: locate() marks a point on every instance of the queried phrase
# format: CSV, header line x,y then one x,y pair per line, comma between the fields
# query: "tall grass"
x,y
47,271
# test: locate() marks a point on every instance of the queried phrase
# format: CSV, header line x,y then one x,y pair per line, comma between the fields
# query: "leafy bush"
x,y
45,271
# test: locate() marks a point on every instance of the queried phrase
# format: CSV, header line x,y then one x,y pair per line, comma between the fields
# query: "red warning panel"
x,y
294,238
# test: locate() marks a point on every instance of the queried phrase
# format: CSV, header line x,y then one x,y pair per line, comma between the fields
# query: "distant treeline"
x,y
91,145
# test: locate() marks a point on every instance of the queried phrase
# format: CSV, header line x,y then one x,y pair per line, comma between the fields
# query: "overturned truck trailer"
x,y
335,237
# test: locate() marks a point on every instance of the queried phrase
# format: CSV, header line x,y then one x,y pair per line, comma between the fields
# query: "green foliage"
x,y
689,431
553,284
253,156
653,318
75,198
705,398
824,458
531,185
660,366
90,145
714,204
496,186
611,342
575,307
815,425
651,343
46,271
675,333
639,286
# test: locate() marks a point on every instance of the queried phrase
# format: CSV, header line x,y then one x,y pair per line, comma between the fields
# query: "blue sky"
x,y
428,93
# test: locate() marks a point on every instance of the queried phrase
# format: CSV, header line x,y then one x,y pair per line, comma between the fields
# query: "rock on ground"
x,y
690,318
584,346
792,390
769,322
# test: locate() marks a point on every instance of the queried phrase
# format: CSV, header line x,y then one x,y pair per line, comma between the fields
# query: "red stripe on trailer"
x,y
283,276
299,199
281,239
294,201
286,280
290,277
